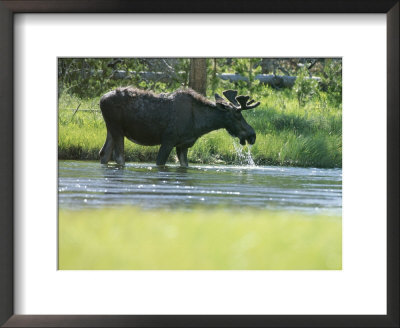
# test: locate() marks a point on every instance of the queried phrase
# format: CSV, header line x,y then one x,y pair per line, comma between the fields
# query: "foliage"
x,y
248,68
212,71
91,77
332,80
133,239
305,87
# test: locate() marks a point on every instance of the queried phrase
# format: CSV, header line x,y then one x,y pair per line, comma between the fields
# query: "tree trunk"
x,y
198,75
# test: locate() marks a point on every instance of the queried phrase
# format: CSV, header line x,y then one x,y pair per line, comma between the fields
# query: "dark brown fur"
x,y
134,92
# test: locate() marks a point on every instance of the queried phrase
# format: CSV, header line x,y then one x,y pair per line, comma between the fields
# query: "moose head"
x,y
236,125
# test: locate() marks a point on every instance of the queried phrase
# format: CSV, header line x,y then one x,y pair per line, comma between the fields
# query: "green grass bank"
x,y
133,239
287,133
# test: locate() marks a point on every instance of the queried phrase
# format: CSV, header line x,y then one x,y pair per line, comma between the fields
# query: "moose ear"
x,y
218,98
220,102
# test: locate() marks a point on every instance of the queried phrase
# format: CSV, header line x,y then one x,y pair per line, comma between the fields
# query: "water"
x,y
84,184
244,158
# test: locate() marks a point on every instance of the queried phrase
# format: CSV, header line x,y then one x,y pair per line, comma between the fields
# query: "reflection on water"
x,y
85,184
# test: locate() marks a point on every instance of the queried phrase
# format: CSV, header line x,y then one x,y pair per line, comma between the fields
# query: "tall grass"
x,y
134,239
287,133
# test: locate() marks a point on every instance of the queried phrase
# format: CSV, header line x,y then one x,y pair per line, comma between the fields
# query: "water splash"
x,y
249,157
245,158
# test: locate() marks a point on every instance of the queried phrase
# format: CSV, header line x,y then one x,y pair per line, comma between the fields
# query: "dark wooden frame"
x,y
7,10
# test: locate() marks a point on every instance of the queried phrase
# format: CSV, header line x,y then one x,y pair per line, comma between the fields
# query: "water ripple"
x,y
89,184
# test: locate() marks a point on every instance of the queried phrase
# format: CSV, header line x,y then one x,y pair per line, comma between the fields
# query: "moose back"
x,y
170,120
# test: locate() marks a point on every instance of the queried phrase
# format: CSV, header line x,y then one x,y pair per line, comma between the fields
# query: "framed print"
x,y
199,164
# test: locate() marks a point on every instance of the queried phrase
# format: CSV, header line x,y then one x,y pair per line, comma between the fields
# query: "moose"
x,y
171,120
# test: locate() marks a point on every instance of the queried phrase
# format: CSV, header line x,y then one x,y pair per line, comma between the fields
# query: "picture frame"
x,y
9,8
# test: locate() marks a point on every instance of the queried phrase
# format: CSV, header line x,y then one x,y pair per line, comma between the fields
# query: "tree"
x,y
198,75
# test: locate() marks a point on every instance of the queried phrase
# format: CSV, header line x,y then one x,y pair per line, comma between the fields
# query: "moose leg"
x,y
119,150
163,154
106,150
182,155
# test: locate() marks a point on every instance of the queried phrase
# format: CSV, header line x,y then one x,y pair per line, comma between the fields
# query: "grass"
x,y
287,134
133,239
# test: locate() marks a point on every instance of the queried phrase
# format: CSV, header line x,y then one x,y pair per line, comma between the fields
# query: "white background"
x,y
360,288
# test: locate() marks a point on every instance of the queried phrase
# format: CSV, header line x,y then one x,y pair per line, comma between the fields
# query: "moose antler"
x,y
240,102
231,96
